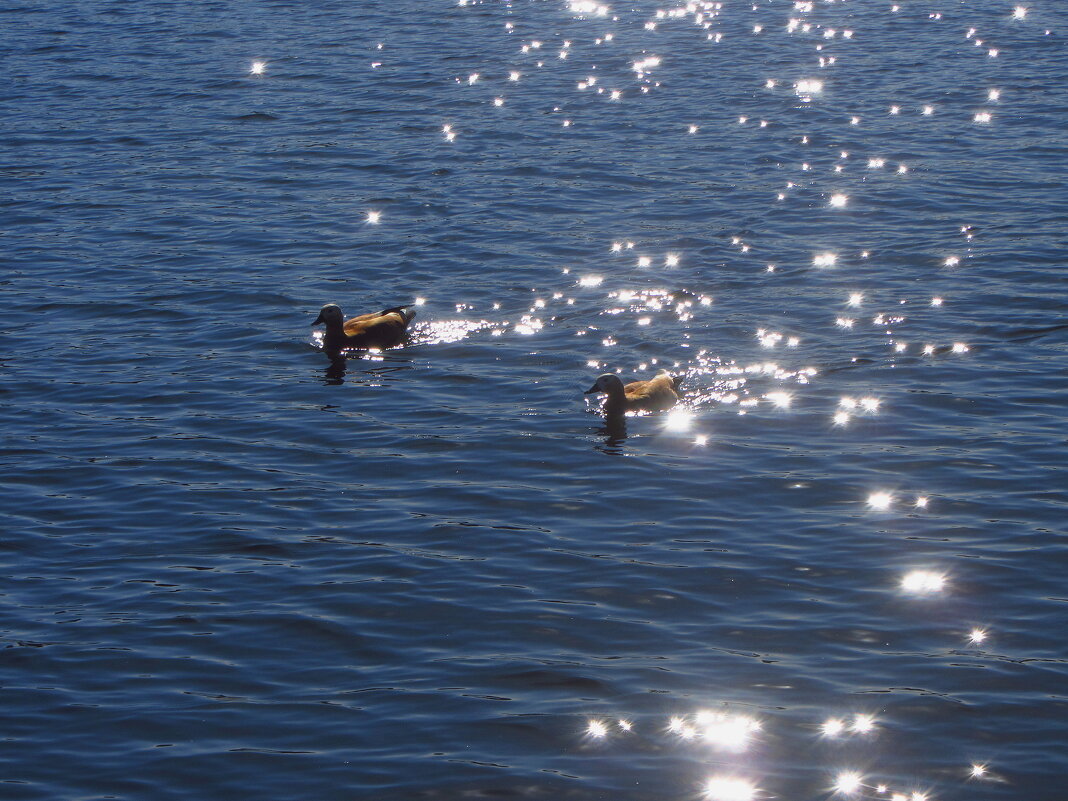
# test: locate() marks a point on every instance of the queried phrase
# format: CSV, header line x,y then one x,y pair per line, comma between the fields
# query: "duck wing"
x,y
356,325
382,329
653,395
406,311
355,322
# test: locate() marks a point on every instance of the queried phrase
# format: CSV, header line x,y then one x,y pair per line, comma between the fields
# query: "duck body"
x,y
655,395
382,329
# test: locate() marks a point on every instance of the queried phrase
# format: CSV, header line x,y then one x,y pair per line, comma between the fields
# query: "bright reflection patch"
x,y
808,87
725,730
781,400
596,729
862,724
923,582
727,789
880,501
832,727
678,420
847,782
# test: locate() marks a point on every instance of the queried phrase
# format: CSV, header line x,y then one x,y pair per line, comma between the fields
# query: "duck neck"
x,y
335,334
616,404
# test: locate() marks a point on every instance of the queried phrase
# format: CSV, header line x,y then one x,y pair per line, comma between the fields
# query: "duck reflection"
x,y
615,433
334,375
379,375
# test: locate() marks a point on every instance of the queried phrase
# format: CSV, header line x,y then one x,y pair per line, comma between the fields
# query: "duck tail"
x,y
407,312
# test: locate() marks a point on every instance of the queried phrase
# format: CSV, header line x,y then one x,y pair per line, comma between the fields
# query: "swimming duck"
x,y
382,329
655,395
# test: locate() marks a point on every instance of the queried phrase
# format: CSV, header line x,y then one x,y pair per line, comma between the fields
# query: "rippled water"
x,y
233,570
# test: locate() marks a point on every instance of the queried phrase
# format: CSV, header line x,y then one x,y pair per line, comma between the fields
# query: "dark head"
x,y
330,313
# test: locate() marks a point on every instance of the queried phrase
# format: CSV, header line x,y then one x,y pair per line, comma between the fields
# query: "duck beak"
x,y
592,390
319,320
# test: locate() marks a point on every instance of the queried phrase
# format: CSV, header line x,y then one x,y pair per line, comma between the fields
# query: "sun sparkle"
x,y
596,729
678,420
880,501
862,724
781,400
847,782
729,789
923,582
832,727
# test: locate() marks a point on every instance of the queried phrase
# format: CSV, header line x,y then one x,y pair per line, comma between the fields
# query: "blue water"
x,y
232,570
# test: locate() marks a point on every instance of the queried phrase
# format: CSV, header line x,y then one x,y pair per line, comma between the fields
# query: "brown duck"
x,y
382,329
655,395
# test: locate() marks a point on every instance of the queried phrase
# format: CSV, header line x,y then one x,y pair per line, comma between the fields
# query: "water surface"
x,y
234,570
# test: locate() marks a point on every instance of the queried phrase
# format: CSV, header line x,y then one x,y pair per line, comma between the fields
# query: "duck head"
x,y
606,383
330,314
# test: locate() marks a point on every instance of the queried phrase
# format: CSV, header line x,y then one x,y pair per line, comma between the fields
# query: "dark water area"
x,y
234,570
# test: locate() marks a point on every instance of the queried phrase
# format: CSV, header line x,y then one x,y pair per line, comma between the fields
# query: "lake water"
x,y
232,570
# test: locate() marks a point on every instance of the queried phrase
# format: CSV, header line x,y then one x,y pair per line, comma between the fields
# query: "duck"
x,y
659,393
382,329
